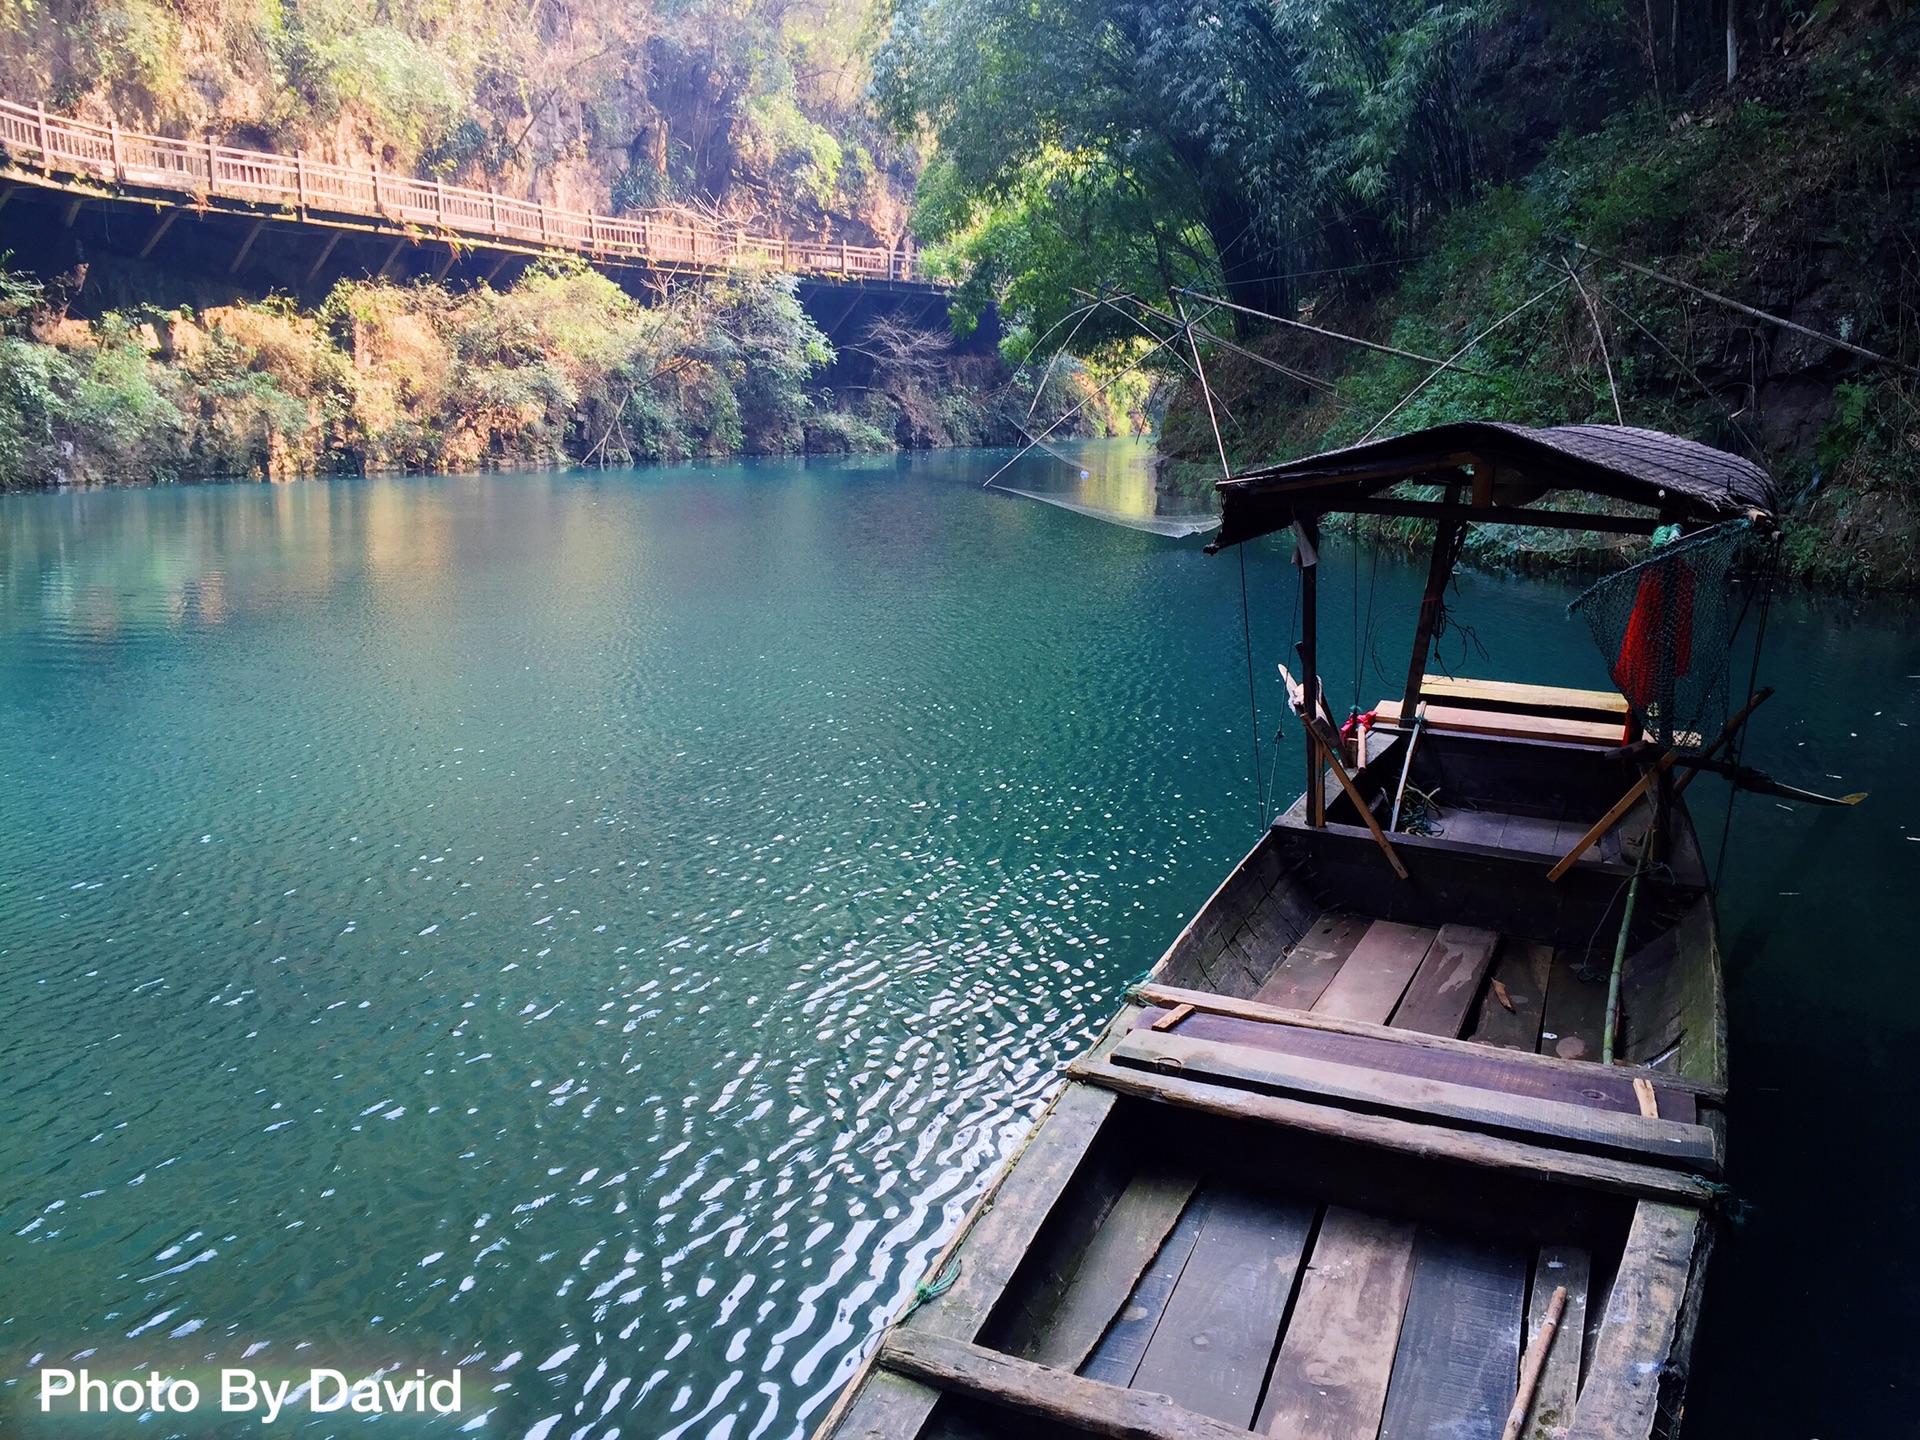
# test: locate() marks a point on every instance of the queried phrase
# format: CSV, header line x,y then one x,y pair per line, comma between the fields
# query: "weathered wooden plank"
x,y
1117,1356
1481,1066
1507,723
1546,698
1566,1167
1664,1081
1552,1408
884,1407
1330,1378
1522,969
1005,1225
1305,974
1223,914
1448,981
1211,1348
1476,827
1375,976
1621,1397
990,1245
1087,1406
1652,996
1118,1255
1634,1136
1459,1352
1576,1009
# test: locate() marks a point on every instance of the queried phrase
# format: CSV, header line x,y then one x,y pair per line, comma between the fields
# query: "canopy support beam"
x,y
1306,554
1439,571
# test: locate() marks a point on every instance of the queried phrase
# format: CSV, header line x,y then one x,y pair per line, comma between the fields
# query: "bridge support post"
x,y
213,173
40,120
300,180
113,151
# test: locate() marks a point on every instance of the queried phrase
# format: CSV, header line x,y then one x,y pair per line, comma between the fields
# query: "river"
x,y
600,930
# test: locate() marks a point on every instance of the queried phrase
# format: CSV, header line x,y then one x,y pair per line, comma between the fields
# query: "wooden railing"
x,y
201,170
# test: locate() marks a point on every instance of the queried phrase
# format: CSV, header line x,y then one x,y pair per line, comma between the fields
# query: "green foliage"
x,y
1157,142
563,368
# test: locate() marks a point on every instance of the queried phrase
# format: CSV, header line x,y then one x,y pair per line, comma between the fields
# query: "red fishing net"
x,y
1665,626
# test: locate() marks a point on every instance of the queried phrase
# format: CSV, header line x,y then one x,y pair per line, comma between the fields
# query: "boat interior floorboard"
x,y
1455,981
1285,1315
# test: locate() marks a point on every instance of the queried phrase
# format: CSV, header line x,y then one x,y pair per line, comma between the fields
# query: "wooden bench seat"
x,y
1511,724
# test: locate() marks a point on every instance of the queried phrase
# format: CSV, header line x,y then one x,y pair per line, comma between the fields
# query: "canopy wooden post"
x,y
1306,554
1439,569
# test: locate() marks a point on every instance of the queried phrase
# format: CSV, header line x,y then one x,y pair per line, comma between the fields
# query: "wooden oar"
x,y
1320,733
1627,801
1535,1362
1742,777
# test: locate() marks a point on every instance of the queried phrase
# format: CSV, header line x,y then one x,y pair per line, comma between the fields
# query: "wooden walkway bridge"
x,y
174,176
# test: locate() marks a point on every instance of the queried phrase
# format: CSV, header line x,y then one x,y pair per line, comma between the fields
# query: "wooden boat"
x,y
1324,1174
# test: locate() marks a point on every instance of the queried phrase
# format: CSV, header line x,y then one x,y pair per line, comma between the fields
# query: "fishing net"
x,y
1665,626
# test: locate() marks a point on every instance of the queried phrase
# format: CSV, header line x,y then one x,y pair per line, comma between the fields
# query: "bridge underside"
x,y
112,250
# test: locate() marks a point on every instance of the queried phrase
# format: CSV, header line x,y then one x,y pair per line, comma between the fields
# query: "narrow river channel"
x,y
600,930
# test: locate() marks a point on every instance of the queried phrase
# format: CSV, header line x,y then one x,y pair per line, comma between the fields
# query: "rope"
x,y
1731,1205
1253,703
1753,685
1246,611
933,1289
1448,364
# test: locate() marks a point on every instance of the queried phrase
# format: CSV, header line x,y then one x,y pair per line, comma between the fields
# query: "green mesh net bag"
x,y
1665,626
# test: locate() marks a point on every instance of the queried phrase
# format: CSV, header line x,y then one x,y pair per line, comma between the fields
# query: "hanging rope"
x,y
1753,684
1253,703
1246,611
1443,366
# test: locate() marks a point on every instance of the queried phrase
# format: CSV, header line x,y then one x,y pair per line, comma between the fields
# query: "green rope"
x,y
933,1289
1729,1204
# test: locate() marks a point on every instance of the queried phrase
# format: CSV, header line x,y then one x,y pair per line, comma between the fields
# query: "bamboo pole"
x,y
1535,1362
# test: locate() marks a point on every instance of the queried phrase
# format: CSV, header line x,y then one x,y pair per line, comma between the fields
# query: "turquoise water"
x,y
599,931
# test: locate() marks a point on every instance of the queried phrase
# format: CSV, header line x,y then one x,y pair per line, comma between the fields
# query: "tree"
x,y
1241,143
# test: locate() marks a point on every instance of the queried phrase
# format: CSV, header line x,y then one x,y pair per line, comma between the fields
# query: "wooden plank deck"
x,y
1635,1339
1459,1354
1553,1399
1510,724
1303,976
1377,973
1448,981
1576,1009
1029,1389
1212,1346
1117,1357
1330,1379
1119,1253
1522,970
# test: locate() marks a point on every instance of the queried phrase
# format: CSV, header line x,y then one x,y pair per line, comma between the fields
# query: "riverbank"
x,y
561,368
1795,191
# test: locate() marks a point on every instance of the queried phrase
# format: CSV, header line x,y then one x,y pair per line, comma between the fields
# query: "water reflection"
x,y
1112,480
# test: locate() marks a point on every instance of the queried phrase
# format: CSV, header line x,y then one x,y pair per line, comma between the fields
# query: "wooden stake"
x,y
1534,1363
